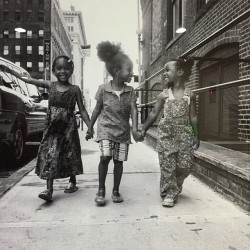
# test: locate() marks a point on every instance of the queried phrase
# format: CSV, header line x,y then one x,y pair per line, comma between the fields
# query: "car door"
x,y
35,119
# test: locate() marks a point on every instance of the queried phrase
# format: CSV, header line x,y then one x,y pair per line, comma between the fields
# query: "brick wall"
x,y
244,91
199,26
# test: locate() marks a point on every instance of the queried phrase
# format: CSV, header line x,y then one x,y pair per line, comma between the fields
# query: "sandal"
x,y
71,188
46,195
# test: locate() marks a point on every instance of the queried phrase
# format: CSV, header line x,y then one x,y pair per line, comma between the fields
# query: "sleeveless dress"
x,y
59,155
174,146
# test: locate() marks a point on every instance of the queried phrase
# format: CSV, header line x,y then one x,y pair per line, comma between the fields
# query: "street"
x,y
202,219
8,168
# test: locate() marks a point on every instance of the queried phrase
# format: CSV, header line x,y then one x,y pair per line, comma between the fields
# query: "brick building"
x,y
45,38
217,36
215,29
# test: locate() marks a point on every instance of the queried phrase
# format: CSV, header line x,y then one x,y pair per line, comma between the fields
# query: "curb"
x,y
11,181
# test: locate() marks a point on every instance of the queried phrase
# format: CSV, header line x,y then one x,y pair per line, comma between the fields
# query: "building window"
x,y
5,15
29,50
5,33
29,65
221,107
178,10
72,29
17,49
18,64
40,66
6,1
29,33
17,15
201,3
69,28
6,50
72,19
18,1
40,16
40,33
40,50
18,35
29,15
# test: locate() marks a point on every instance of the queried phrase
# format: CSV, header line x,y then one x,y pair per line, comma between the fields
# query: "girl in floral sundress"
x,y
177,130
59,154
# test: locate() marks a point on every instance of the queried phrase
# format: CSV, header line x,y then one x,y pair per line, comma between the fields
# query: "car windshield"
x,y
7,81
33,91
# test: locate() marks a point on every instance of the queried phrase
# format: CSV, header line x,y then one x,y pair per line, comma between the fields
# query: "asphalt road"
x,y
8,168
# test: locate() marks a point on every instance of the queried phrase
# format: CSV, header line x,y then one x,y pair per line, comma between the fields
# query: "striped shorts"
x,y
119,151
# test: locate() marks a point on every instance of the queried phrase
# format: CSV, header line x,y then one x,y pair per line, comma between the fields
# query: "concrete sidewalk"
x,y
200,220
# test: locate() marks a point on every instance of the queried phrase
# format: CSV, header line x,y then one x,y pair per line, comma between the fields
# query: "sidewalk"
x,y
200,220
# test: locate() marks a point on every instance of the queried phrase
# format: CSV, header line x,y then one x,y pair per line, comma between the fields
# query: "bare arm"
x,y
134,116
38,83
194,120
154,114
96,112
83,112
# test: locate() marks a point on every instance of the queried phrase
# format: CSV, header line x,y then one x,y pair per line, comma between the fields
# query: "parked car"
x,y
22,112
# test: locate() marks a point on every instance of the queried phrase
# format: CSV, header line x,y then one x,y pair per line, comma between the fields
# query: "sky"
x,y
106,20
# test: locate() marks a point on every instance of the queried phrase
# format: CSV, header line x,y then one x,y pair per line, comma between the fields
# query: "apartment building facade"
x,y
216,29
45,35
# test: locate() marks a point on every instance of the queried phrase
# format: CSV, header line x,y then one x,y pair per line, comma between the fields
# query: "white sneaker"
x,y
168,202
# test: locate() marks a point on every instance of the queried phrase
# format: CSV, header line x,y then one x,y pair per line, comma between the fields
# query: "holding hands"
x,y
137,136
89,134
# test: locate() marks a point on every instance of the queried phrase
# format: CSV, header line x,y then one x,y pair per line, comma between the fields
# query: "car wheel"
x,y
18,145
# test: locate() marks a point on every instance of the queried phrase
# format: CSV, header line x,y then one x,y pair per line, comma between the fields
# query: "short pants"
x,y
119,151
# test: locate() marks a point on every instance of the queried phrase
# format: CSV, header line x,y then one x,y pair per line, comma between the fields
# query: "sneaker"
x,y
168,202
100,198
116,197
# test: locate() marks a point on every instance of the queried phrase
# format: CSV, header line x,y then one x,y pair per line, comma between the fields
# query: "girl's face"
x,y
126,71
171,72
63,70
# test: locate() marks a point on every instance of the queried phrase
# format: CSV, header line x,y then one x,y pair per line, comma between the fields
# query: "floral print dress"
x,y
174,146
59,155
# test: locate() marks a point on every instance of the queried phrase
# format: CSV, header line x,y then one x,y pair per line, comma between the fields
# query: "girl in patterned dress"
x,y
59,155
177,130
116,103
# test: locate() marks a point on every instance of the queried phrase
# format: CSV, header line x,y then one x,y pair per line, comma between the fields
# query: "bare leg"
x,y
118,170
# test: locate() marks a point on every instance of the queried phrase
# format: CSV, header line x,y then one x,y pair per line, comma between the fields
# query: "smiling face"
x,y
172,73
63,69
126,71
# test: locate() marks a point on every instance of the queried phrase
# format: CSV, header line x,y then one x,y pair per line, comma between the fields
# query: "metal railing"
x,y
225,85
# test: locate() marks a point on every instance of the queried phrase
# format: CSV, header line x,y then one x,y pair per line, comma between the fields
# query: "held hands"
x,y
143,133
196,143
137,136
89,134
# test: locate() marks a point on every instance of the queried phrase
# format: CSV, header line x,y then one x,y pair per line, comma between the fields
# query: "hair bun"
x,y
107,50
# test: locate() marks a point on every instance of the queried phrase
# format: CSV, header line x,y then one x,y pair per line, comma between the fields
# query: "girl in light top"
x,y
116,102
